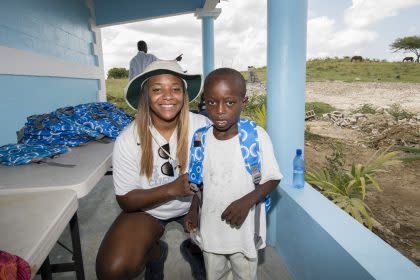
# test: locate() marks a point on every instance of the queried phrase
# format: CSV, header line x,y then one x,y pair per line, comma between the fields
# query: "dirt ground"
x,y
347,96
397,207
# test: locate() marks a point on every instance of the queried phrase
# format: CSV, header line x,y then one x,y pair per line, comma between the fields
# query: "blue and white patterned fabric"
x,y
53,130
197,156
73,126
103,117
248,140
18,154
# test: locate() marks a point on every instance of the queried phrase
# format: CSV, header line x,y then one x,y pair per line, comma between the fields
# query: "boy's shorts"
x,y
230,266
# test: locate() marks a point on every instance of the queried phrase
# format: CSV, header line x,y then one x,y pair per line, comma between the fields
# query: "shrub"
x,y
319,108
365,109
117,73
398,112
255,102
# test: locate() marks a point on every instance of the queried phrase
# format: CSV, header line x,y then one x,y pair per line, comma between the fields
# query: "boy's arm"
x,y
191,219
236,213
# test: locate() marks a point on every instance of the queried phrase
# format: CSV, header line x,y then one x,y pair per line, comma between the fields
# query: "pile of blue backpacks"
x,y
47,135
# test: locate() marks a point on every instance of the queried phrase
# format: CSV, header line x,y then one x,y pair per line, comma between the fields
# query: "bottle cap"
x,y
298,152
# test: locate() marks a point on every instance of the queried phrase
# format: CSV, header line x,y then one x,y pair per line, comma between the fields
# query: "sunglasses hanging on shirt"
x,y
168,168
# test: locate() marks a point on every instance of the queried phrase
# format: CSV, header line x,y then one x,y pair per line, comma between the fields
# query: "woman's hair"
x,y
143,120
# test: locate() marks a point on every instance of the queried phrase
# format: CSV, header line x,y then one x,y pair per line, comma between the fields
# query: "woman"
x,y
149,161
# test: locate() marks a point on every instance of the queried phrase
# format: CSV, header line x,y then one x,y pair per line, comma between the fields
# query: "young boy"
x,y
227,221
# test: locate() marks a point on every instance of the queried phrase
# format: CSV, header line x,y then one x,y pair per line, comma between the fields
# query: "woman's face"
x,y
166,96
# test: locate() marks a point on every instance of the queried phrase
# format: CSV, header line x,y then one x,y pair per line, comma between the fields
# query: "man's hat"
x,y
193,83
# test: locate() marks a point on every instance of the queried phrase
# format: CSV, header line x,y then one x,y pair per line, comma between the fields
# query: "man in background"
x,y
142,59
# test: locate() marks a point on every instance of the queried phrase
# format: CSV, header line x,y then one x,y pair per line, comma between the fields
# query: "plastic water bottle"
x,y
298,170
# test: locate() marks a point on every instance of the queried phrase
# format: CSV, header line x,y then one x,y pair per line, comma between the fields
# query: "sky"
x,y
335,28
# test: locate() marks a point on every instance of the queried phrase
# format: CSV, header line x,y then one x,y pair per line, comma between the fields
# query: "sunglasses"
x,y
166,168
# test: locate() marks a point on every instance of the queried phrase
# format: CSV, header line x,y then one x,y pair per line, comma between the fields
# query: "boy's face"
x,y
225,101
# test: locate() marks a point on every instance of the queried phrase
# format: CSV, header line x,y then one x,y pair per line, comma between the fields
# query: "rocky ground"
x,y
397,208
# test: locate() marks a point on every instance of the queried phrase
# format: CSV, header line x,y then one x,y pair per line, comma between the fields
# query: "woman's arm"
x,y
142,199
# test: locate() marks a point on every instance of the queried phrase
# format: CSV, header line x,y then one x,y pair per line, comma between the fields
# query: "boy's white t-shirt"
x,y
126,166
225,180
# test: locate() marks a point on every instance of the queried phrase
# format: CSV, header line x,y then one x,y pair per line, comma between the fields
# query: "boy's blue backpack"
x,y
248,140
18,154
73,126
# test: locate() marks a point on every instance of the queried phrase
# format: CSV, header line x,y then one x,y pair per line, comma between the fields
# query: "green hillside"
x,y
365,71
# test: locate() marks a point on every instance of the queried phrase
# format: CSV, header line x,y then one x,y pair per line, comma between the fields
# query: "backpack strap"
x,y
195,167
250,148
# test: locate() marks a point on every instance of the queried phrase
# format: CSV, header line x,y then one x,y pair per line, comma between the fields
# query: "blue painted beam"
x,y
208,44
286,62
109,12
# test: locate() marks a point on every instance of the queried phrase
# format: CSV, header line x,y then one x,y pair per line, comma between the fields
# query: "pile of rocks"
x,y
342,120
380,118
381,129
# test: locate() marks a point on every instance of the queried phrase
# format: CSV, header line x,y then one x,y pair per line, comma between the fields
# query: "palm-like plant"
x,y
347,189
261,116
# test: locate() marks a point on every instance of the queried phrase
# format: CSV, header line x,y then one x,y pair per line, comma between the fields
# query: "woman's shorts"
x,y
179,220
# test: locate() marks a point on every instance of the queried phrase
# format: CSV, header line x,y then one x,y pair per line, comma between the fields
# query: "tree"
x,y
411,44
117,73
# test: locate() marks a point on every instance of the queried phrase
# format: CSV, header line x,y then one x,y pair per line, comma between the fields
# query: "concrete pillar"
x,y
286,73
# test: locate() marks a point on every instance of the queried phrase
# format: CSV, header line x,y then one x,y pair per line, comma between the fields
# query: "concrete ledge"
x,y
318,240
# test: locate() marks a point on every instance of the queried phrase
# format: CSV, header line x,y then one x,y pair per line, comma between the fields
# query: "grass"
x,y
115,94
340,69
365,71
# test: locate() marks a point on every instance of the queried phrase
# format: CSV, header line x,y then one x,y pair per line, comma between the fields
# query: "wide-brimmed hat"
x,y
158,67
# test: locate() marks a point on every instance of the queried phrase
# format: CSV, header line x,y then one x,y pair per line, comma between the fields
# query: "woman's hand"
x,y
180,187
236,213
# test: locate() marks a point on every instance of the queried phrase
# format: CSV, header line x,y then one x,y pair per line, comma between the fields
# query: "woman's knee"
x,y
124,249
118,268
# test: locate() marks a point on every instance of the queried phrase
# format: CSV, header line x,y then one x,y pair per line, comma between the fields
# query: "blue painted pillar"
x,y
207,24
207,30
286,73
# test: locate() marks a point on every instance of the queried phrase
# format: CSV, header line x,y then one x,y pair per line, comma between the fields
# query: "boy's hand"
x,y
191,221
236,213
180,187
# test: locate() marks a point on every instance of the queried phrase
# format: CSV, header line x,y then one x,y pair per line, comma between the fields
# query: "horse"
x,y
408,59
356,58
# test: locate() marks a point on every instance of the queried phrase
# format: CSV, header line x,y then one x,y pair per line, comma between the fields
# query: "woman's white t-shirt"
x,y
126,166
225,180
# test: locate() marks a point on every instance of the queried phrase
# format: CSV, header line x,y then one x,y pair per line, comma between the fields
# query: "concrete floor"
x,y
96,213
